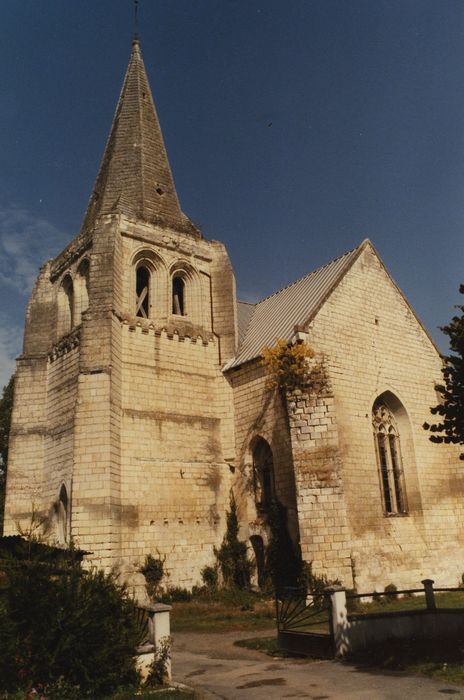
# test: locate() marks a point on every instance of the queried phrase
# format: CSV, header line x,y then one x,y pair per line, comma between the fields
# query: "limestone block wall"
x,y
25,481
320,493
133,415
373,343
40,453
62,382
176,434
76,441
175,481
42,436
260,412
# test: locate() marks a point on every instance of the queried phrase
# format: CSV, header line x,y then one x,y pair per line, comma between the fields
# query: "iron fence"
x,y
299,611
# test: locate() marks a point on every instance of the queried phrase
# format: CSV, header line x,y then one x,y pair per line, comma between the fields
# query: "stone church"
x,y
141,398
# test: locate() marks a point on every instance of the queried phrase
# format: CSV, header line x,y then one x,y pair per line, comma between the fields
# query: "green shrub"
x,y
176,594
200,591
65,626
390,588
153,570
158,669
378,598
315,584
232,555
209,576
353,605
60,690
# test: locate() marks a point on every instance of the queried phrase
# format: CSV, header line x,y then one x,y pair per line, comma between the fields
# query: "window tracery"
x,y
387,440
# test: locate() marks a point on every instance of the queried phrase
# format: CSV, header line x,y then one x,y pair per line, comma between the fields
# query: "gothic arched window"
x,y
142,291
263,475
178,295
387,441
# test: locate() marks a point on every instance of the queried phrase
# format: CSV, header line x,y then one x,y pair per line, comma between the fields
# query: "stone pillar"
x,y
160,630
96,498
429,594
338,619
324,532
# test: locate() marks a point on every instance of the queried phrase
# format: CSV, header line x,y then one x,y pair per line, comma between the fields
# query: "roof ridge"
x,y
136,45
313,272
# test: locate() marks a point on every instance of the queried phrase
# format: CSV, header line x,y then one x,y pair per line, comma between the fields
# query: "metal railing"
x,y
299,611
394,601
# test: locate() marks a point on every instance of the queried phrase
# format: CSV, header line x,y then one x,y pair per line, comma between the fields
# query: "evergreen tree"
x,y
6,406
450,427
64,628
232,555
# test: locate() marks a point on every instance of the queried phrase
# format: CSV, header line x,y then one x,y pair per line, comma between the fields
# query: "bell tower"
x,y
122,426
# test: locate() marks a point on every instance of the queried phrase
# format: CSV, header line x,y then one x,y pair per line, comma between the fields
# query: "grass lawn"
x,y
223,611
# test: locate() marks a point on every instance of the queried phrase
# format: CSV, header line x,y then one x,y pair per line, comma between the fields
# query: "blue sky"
x,y
294,129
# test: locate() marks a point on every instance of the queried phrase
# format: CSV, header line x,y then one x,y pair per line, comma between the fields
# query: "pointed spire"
x,y
135,177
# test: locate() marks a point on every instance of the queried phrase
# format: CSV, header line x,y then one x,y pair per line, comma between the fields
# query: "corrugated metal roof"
x,y
276,316
244,314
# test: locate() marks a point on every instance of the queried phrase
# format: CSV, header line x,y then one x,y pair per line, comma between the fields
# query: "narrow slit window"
x,y
178,296
142,292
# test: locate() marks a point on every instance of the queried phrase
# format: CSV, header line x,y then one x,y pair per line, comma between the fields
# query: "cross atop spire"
x,y
136,19
135,178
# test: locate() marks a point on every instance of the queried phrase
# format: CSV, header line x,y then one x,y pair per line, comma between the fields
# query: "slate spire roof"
x,y
135,178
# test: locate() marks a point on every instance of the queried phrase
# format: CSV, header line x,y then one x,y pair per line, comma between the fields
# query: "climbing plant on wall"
x,y
291,367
